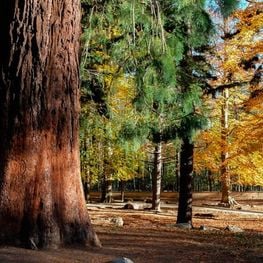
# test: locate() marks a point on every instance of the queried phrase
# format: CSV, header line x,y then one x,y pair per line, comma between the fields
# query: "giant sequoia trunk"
x,y
41,199
186,176
157,177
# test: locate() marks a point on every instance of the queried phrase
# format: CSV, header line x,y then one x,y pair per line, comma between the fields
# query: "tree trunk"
x,y
106,184
85,170
123,183
156,179
177,170
41,197
210,180
225,177
103,189
185,193
109,191
134,184
86,187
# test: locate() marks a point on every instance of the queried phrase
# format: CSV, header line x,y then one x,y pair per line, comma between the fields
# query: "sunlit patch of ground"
x,y
147,237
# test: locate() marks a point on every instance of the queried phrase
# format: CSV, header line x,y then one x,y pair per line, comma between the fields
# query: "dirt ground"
x,y
147,237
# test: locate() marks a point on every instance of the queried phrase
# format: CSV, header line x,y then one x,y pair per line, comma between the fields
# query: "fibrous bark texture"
x,y
41,198
186,177
157,177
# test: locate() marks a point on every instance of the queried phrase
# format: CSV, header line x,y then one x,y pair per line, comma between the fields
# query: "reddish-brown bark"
x,y
41,198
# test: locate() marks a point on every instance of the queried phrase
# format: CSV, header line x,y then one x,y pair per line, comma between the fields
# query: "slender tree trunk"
x,y
177,170
122,190
107,180
106,190
86,191
103,189
157,177
109,191
41,197
210,181
185,194
104,175
225,177
85,171
134,184
86,186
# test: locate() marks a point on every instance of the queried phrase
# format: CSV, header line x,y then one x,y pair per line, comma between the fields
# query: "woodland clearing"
x,y
152,237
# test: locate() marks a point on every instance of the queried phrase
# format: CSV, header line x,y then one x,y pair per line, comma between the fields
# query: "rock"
x,y
121,260
202,227
133,206
184,225
234,229
118,221
129,206
207,228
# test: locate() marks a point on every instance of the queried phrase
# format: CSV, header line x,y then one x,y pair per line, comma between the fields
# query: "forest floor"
x,y
149,237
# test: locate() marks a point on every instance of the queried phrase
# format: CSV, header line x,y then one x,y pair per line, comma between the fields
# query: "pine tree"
x,y
193,25
161,47
160,55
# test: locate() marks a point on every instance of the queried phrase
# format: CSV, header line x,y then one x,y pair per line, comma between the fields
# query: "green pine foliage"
x,y
168,79
102,151
227,6
154,43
